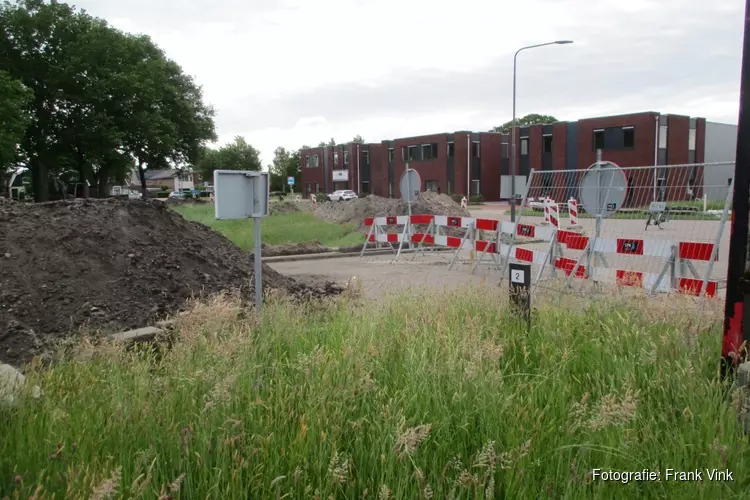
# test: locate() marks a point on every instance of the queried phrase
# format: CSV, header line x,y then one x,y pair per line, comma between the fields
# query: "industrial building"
x,y
479,162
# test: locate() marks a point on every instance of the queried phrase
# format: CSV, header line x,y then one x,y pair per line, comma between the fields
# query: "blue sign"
x,y
290,181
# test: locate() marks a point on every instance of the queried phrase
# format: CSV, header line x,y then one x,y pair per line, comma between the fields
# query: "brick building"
x,y
479,162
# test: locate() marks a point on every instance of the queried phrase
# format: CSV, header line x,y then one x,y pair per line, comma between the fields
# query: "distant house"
x,y
175,179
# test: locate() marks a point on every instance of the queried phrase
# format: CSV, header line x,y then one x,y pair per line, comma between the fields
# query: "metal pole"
x,y
359,179
408,202
468,166
513,147
258,261
738,269
656,152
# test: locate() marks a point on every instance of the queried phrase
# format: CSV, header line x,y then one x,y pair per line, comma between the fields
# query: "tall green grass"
x,y
277,229
429,396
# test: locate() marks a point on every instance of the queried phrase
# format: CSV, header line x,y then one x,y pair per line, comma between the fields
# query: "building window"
x,y
390,155
475,149
317,187
336,158
312,161
429,151
663,131
475,187
628,137
504,147
691,156
598,139
346,157
451,150
546,185
412,153
524,146
431,186
365,186
547,144
404,155
308,189
691,140
366,157
729,181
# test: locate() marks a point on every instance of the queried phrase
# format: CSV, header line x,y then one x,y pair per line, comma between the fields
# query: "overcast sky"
x,y
293,72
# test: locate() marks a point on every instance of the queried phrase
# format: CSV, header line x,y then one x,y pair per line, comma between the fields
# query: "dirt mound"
x,y
186,201
284,207
355,212
111,264
293,249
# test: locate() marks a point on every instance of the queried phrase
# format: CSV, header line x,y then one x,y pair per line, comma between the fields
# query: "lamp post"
x,y
513,126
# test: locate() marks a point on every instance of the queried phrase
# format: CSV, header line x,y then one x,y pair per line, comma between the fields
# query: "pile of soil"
x,y
293,249
355,211
187,201
112,265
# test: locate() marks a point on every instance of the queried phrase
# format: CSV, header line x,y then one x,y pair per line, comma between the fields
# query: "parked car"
x,y
342,195
177,194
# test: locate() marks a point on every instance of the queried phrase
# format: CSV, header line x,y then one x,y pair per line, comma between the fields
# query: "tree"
x,y
14,98
237,155
531,119
285,164
358,139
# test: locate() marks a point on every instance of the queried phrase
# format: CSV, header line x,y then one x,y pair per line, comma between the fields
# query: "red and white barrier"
x,y
547,202
573,212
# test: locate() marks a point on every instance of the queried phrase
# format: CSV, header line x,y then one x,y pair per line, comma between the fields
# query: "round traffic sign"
x,y
602,191
410,185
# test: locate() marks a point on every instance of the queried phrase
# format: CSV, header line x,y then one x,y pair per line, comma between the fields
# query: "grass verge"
x,y
429,396
277,229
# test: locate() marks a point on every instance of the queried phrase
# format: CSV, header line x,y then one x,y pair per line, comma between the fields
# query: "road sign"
x,y
290,181
602,190
241,194
520,286
410,185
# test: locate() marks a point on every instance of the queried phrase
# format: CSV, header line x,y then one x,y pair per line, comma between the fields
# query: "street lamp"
x,y
513,126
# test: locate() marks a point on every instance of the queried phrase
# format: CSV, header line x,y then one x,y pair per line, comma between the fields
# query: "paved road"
x,y
381,276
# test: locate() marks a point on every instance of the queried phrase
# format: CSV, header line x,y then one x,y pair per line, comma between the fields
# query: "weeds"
x,y
429,396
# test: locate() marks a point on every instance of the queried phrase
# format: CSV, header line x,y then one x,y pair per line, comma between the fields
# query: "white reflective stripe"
x,y
442,220
380,221
383,221
383,238
443,241
651,248
507,227
402,219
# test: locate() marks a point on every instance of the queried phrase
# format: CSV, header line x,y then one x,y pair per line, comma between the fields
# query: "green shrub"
x,y
476,199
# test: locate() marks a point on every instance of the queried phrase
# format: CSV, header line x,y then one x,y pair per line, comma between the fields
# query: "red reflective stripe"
x,y
423,238
421,219
629,246
392,237
696,251
372,238
453,242
629,278
524,254
391,220
369,221
576,242
526,230
567,265
486,224
692,286
454,222
486,247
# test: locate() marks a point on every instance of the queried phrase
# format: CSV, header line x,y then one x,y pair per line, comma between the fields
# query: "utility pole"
x,y
736,327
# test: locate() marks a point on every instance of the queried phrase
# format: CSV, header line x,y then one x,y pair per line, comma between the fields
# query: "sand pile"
x,y
355,212
111,264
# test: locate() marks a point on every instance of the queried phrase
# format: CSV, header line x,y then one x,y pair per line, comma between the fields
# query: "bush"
x,y
162,194
476,199
164,187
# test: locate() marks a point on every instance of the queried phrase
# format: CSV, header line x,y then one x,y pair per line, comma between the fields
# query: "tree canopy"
x,y
14,97
102,100
285,164
530,119
237,155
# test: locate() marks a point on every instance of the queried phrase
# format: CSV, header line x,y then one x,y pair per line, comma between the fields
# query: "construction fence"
x,y
645,227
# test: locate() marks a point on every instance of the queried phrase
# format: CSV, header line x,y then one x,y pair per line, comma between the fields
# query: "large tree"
x,y
237,155
101,97
14,119
530,119
285,164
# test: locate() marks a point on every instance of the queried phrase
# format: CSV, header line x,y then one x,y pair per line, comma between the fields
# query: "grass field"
x,y
278,229
430,397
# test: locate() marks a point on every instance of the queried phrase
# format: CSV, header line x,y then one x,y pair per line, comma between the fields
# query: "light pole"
x,y
513,127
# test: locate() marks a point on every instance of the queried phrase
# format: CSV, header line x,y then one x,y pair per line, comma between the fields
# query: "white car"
x,y
342,195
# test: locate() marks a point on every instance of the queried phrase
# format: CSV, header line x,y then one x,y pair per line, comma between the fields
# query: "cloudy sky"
x,y
293,72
